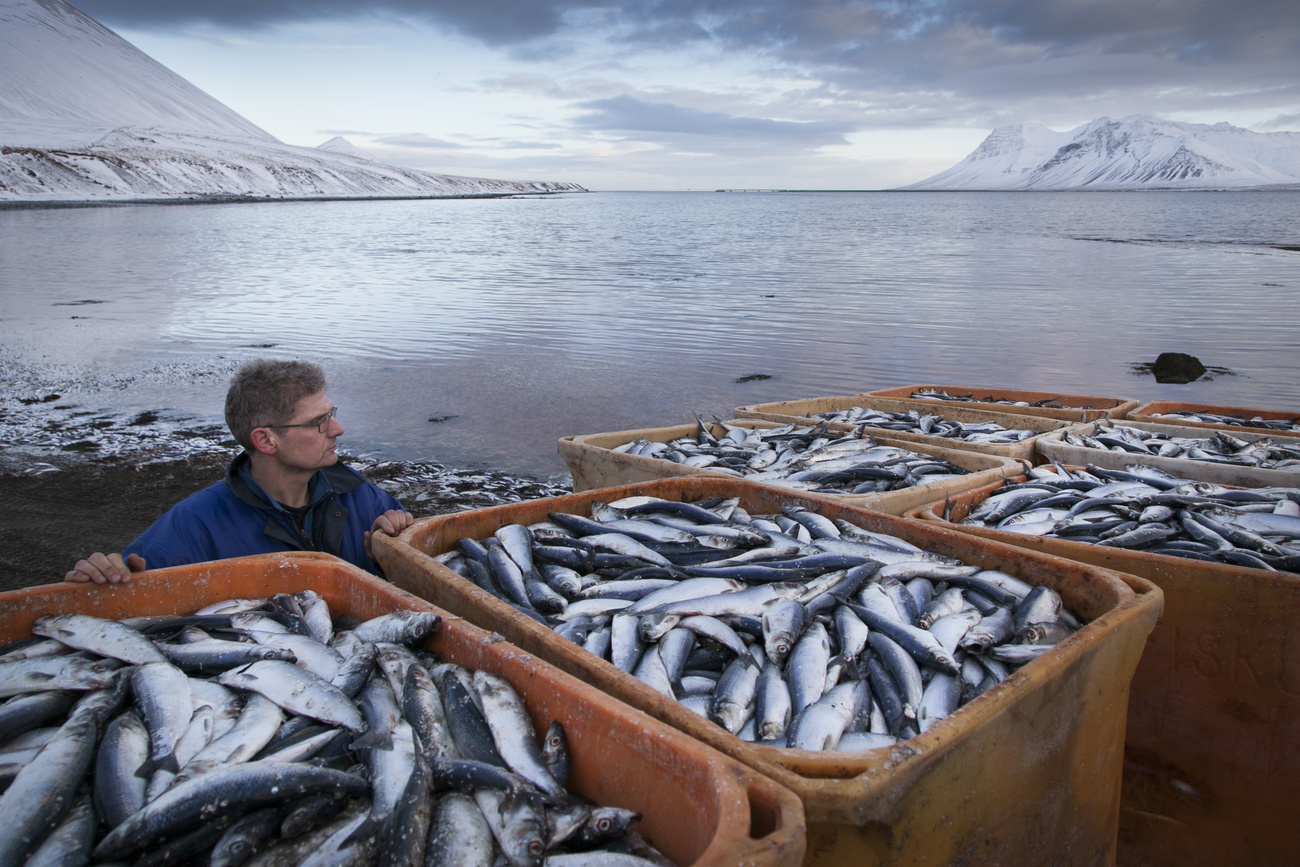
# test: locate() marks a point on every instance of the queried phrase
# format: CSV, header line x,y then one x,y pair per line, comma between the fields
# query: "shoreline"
x,y
241,200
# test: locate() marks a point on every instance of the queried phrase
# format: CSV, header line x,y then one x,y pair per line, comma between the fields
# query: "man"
x,y
286,491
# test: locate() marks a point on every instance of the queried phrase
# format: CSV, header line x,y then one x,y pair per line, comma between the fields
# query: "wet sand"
x,y
54,518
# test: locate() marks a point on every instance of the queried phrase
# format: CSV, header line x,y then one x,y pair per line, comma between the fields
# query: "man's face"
x,y
309,448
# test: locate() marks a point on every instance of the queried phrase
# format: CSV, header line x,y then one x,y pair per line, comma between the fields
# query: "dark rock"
x,y
1177,367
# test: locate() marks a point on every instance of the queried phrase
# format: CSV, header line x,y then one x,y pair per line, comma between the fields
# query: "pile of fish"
x,y
989,432
254,732
805,458
1143,508
1283,424
427,488
790,630
1218,447
939,394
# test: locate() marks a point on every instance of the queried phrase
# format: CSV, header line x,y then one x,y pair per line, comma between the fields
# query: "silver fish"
x,y
512,731
43,792
99,636
297,691
459,835
807,666
820,725
224,789
44,673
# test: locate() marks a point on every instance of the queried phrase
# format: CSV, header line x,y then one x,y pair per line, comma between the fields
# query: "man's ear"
x,y
264,440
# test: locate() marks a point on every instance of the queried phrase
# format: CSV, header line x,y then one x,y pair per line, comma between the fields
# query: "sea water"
x,y
478,332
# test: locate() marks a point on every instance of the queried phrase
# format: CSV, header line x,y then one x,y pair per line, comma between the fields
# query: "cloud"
x,y
495,22
877,62
689,128
530,145
1282,122
417,140
1207,30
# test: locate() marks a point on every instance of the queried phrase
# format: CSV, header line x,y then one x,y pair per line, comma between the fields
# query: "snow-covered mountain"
x,y
1137,152
85,116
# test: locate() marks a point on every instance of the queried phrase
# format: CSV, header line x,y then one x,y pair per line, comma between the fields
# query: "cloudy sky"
x,y
703,94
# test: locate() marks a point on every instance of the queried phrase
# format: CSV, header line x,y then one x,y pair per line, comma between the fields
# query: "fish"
x,y
297,691
43,673
742,673
733,700
1055,402
1218,447
513,732
459,835
26,712
164,817
69,843
820,725
247,835
400,627
1280,424
99,636
1166,515
44,791
802,457
928,424
163,694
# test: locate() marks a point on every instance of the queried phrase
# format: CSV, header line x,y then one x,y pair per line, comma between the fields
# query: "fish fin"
x,y
369,828
374,739
151,765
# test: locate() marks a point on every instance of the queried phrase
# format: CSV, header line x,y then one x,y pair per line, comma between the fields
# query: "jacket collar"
x,y
325,526
336,478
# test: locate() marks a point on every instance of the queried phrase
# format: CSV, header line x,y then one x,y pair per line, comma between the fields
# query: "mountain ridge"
x,y
1133,153
85,116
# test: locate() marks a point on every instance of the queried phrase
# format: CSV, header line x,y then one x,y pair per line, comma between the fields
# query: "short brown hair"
x,y
265,392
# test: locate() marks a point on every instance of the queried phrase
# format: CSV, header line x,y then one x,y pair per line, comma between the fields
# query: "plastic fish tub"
x,y
1212,753
698,806
1028,773
1078,407
593,463
1149,412
801,412
1054,448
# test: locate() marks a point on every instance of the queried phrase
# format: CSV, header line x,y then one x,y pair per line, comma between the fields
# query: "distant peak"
x,y
340,145
1134,152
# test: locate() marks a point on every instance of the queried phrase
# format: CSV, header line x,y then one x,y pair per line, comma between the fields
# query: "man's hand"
x,y
390,523
105,569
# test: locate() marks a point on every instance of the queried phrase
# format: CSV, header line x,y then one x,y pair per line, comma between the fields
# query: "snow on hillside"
x,y
86,116
1136,152
136,164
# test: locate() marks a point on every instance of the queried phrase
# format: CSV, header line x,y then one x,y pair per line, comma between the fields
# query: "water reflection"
x,y
526,320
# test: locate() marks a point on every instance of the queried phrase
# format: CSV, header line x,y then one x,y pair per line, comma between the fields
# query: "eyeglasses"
x,y
321,424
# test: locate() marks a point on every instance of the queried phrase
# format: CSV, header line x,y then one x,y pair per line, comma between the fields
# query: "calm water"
x,y
519,321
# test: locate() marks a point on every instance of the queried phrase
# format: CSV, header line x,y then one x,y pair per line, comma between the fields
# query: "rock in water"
x,y
1177,367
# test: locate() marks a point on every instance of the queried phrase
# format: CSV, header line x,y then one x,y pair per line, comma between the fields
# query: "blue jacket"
x,y
235,518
